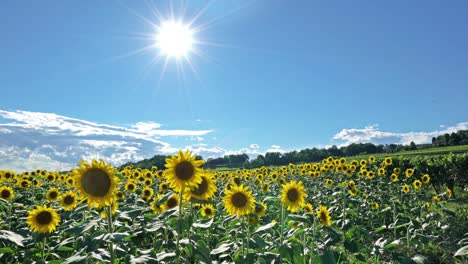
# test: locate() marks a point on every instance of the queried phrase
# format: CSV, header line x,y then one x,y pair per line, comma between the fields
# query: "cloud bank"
x,y
374,135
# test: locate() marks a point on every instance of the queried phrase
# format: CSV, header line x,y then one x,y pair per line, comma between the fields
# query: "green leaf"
x,y
462,251
204,224
221,249
75,258
141,259
299,218
265,227
202,250
6,250
393,244
420,259
12,236
163,255
63,248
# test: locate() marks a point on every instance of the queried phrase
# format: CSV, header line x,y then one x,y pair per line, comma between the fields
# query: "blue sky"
x,y
271,75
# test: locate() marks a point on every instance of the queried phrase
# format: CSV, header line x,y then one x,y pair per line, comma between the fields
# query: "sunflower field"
x,y
334,211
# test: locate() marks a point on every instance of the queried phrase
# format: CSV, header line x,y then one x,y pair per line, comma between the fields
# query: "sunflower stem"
x,y
110,231
44,241
179,226
282,224
243,237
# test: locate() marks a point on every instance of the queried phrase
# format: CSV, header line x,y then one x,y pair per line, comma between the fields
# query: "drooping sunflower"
x,y
205,190
405,188
260,208
6,193
426,178
43,219
324,215
183,171
171,202
53,194
239,200
417,184
449,193
96,182
293,196
207,211
69,201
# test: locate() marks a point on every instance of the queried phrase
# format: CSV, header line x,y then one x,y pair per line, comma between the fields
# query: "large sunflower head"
x,y
208,211
293,196
6,193
324,215
69,201
205,190
96,182
239,200
183,171
43,219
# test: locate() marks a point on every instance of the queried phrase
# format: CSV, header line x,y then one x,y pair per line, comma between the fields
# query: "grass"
x,y
419,152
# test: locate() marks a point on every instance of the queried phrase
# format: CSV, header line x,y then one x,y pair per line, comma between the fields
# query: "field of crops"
x,y
372,210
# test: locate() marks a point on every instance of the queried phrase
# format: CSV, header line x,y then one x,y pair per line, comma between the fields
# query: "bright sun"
x,y
174,39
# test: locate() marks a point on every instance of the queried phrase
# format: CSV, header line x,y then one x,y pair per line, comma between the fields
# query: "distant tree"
x,y
412,146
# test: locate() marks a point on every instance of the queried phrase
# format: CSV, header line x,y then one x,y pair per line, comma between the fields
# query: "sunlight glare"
x,y
174,39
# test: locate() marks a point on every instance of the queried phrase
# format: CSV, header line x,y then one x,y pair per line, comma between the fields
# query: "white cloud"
x,y
31,140
254,146
372,134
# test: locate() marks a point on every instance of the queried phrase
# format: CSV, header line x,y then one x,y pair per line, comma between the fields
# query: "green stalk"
x,y
282,224
179,226
44,241
243,233
110,230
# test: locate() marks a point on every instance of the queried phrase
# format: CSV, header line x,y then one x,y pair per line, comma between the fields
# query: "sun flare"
x,y
174,39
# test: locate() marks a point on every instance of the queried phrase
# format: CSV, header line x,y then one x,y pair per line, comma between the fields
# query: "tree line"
x,y
310,154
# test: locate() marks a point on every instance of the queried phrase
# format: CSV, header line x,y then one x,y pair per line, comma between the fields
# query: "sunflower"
x,y
69,201
449,193
260,208
417,184
387,161
394,177
353,191
239,201
147,193
426,178
328,182
43,219
308,208
183,171
6,193
293,196
207,211
172,202
381,171
397,170
436,199
205,190
370,174
409,173
405,188
156,207
266,188
96,182
163,187
375,205
371,159
130,186
50,177
324,215
427,205
53,194
120,195
252,219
